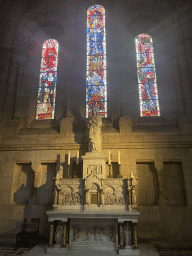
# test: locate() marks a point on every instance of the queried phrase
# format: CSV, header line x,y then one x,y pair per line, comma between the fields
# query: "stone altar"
x,y
95,210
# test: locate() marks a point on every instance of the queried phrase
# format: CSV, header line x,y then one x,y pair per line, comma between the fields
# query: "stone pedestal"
x,y
94,163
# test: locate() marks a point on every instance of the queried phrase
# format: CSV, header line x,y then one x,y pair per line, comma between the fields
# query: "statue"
x,y
94,128
58,235
134,200
55,196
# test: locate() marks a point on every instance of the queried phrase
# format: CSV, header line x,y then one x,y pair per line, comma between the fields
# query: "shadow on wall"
x,y
25,204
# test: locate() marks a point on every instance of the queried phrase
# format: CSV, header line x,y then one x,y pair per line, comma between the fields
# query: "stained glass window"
x,y
148,94
47,81
96,85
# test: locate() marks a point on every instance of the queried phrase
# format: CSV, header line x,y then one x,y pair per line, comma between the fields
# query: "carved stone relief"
x,y
112,234
96,233
94,169
71,198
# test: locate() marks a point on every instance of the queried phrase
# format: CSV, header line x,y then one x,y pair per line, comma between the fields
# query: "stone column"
x,y
135,235
64,234
86,196
160,181
121,233
102,197
51,234
99,197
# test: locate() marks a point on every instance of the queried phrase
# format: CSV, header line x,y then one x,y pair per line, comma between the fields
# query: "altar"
x,y
97,211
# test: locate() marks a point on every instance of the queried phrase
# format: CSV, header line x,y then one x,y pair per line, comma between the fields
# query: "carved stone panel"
x,y
94,169
99,232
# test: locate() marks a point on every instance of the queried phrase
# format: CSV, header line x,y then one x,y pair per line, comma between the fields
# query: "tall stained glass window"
x,y
148,94
47,81
96,85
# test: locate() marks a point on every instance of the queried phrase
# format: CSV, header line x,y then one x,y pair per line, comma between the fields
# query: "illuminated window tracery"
x,y
96,85
47,81
148,93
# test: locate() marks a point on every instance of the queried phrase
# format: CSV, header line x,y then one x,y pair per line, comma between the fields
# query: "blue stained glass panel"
x,y
96,90
148,93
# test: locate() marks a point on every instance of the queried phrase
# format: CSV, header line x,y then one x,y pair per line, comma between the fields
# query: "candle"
x,y
119,161
77,160
69,158
109,157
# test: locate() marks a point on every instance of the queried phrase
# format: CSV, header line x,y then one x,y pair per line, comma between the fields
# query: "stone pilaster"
x,y
160,180
86,196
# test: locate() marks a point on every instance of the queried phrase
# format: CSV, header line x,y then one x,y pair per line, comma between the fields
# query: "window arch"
x,y
96,85
47,81
148,93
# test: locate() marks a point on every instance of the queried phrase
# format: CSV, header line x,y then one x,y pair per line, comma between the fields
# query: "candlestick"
x,y
109,157
119,161
69,158
77,160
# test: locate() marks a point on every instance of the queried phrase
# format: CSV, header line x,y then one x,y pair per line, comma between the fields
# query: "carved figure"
x,y
112,234
75,233
55,196
97,234
121,200
94,134
134,199
58,234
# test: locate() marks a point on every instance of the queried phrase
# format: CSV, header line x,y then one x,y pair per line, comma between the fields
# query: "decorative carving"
x,y
112,234
58,234
94,169
71,198
67,181
76,233
121,200
113,182
94,131
97,233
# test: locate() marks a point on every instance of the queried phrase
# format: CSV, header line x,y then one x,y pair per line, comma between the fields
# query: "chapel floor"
x,y
146,249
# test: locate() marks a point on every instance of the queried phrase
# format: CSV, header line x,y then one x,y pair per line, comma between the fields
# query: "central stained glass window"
x,y
96,85
148,94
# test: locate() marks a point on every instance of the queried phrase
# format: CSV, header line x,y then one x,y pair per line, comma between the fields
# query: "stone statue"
x,y
134,199
94,134
58,235
55,196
